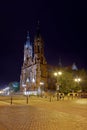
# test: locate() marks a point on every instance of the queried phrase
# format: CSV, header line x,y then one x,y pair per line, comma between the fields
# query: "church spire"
x,y
27,43
38,30
28,51
28,37
60,64
74,67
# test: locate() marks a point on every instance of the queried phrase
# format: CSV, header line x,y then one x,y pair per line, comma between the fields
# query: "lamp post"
x,y
11,99
57,74
78,80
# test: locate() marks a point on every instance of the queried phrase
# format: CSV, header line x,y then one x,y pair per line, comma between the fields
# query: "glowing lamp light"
x,y
55,74
77,80
41,83
58,73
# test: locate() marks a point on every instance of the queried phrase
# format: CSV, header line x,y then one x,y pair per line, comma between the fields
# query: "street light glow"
x,y
58,73
41,83
55,74
77,80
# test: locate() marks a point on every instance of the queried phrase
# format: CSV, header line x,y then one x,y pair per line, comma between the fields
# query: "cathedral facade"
x,y
34,70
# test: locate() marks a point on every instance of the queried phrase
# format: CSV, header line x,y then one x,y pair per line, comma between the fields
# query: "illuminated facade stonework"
x,y
34,69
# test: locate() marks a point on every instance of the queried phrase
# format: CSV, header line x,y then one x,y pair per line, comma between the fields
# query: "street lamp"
x,y
57,74
78,80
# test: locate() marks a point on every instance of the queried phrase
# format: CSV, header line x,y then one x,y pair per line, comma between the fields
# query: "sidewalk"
x,y
43,115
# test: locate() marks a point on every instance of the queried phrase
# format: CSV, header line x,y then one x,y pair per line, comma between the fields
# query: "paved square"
x,y
41,114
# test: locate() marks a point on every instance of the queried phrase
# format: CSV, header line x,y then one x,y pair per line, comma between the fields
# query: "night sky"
x,y
63,26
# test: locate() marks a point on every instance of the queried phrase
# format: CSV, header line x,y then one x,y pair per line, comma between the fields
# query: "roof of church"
x,y
74,67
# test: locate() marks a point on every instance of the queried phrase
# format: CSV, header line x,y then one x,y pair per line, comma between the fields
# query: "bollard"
x,y
11,100
27,99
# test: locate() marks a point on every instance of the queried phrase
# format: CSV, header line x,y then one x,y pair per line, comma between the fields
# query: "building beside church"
x,y
34,70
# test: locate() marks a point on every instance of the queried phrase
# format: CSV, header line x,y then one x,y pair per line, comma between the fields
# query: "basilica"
x,y
34,68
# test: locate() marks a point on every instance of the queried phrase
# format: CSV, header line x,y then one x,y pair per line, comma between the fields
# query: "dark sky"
x,y
63,26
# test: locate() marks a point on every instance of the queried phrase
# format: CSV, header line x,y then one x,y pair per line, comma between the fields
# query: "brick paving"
x,y
44,115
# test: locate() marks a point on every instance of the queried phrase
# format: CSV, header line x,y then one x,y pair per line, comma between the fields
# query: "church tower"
x,y
27,49
39,59
26,71
34,69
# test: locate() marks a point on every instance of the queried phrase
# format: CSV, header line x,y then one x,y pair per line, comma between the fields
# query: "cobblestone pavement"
x,y
44,115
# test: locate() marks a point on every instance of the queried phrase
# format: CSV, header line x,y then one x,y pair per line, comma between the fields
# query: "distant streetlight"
x,y
78,80
57,74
